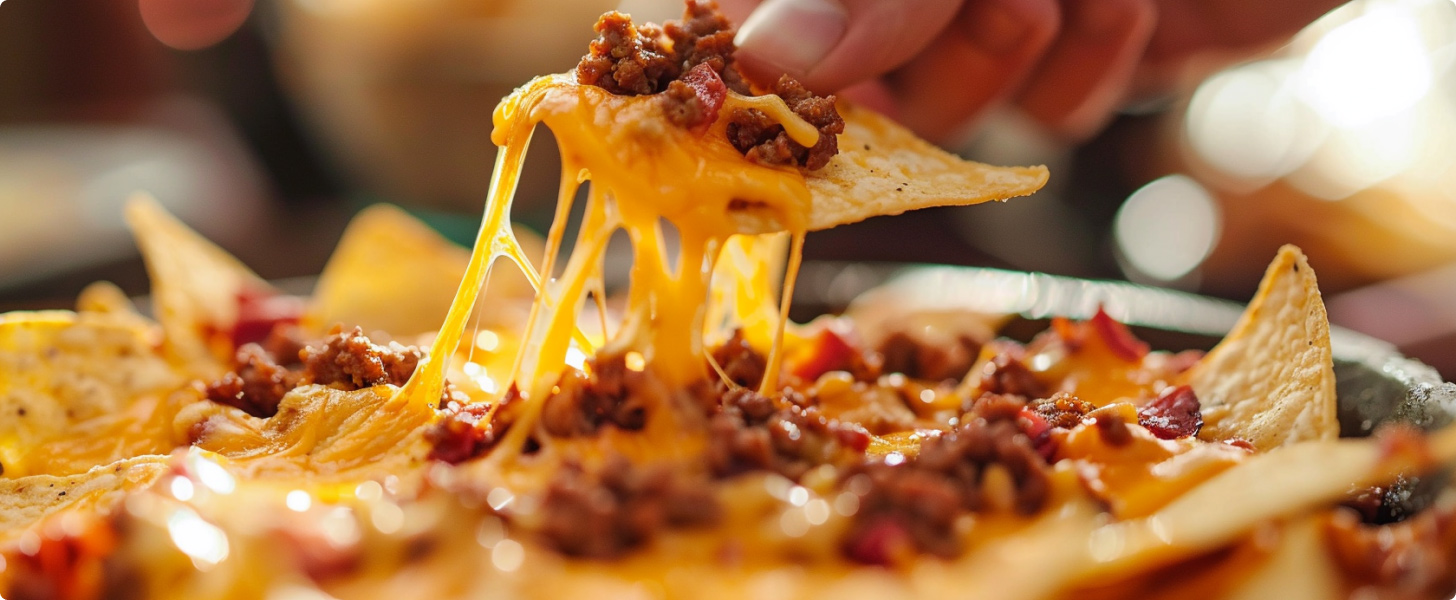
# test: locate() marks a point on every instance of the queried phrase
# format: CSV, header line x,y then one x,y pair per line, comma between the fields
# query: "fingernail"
x,y
997,29
793,35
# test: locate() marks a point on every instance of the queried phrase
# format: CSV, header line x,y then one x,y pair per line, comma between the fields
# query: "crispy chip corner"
x,y
1271,381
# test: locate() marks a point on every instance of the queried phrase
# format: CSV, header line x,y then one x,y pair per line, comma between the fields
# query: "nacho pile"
x,y
429,425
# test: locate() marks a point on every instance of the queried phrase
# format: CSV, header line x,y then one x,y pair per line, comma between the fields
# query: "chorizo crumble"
x,y
690,63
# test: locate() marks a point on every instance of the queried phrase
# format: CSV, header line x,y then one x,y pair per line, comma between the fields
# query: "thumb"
x,y
830,44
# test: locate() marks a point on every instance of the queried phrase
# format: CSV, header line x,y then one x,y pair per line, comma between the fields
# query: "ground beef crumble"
x,y
912,505
1006,374
616,509
629,59
904,353
743,365
763,140
611,395
263,374
752,432
464,432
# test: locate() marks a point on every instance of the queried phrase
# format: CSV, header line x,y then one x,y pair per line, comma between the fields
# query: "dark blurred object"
x,y
93,109
1416,313
401,93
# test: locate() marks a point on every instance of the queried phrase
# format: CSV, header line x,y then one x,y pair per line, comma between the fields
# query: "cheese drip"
x,y
642,170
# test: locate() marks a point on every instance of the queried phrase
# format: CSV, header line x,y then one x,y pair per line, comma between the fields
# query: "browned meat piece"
x,y
1007,375
262,375
753,433
351,359
625,59
606,514
632,60
903,353
740,362
611,395
257,384
911,505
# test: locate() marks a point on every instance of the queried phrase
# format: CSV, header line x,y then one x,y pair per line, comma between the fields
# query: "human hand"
x,y
940,65
193,24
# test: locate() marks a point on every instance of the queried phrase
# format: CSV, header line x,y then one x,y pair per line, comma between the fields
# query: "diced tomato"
x,y
710,90
853,437
1175,413
831,352
259,311
884,542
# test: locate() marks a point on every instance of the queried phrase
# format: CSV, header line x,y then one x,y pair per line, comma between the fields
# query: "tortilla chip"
x,y
195,284
393,273
1299,569
1220,511
74,379
1272,381
26,501
884,169
105,297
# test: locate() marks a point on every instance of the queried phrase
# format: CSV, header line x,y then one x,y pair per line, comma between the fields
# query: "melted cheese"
x,y
643,170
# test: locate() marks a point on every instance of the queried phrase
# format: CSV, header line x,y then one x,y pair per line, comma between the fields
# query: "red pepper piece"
x,y
1118,338
831,353
259,311
1174,414
710,90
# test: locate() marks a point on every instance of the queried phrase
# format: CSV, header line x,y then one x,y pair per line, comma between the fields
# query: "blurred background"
x,y
1342,141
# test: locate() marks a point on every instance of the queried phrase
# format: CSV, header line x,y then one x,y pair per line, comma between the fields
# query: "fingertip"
x,y
193,24
1087,73
874,95
737,11
976,64
880,36
1002,27
789,37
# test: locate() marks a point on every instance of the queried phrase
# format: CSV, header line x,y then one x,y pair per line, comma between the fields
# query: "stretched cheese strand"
x,y
776,352
643,171
494,240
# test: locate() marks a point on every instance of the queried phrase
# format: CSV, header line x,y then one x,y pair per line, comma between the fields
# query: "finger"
x,y
193,24
976,63
1186,27
1085,75
737,11
874,95
830,44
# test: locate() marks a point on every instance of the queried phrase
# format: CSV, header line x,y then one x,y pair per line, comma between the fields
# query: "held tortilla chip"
x,y
697,179
884,169
1271,381
393,273
196,286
